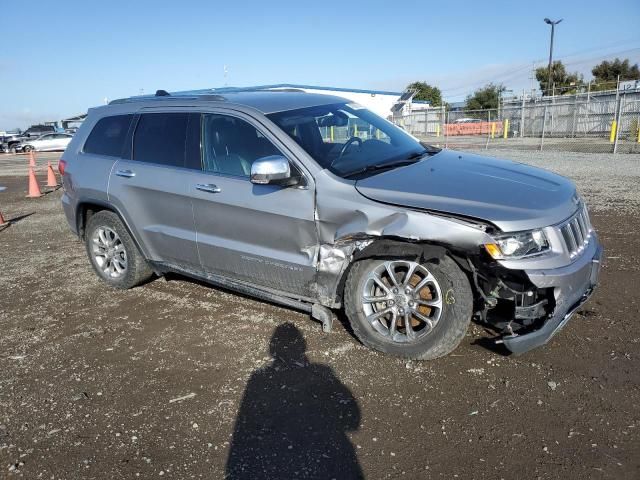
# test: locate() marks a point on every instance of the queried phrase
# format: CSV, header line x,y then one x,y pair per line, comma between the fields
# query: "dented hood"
x,y
513,196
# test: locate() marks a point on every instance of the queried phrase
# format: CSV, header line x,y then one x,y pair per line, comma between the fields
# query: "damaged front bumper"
x,y
572,286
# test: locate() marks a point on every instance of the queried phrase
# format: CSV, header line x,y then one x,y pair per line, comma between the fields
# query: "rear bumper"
x,y
573,285
69,208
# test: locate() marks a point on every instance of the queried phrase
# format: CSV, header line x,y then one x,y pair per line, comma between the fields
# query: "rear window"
x,y
108,136
160,138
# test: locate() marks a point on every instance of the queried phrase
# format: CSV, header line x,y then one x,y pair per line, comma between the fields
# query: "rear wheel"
x,y
409,309
113,253
27,148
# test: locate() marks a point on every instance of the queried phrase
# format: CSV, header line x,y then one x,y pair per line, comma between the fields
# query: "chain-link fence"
x,y
577,123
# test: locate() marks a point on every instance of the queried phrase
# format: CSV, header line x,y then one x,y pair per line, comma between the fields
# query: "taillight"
x,y
61,166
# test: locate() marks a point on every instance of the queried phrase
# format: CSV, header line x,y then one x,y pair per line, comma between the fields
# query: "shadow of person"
x,y
293,418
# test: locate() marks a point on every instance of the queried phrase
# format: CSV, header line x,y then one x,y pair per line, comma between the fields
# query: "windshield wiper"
x,y
410,160
416,155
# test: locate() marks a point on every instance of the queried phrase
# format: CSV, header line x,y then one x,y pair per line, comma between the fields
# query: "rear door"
x,y
151,186
261,234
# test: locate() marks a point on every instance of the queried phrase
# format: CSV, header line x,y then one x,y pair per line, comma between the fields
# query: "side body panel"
x,y
86,176
262,234
156,205
155,202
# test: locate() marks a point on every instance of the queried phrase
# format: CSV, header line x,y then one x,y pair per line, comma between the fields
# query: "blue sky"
x,y
71,55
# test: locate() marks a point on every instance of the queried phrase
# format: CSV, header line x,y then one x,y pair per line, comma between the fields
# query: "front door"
x,y
261,234
46,142
151,189
61,140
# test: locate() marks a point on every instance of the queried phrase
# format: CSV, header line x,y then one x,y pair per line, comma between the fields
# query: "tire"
x,y
449,324
27,148
129,266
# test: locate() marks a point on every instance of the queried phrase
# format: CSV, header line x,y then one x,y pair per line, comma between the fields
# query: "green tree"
x,y
485,97
426,92
606,74
562,82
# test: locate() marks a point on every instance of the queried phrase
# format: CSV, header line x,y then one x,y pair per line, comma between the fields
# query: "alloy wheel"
x,y
109,253
402,300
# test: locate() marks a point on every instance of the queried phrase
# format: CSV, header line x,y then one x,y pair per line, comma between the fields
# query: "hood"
x,y
511,195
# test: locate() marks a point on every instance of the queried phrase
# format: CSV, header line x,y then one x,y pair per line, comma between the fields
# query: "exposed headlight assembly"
x,y
518,245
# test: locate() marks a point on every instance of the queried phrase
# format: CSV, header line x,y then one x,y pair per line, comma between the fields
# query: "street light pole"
x,y
553,26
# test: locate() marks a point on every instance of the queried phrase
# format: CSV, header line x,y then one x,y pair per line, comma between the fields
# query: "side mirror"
x,y
274,170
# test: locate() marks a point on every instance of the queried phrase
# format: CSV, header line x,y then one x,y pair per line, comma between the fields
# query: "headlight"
x,y
518,245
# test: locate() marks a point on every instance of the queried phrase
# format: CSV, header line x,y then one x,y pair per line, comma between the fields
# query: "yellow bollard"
x,y
355,129
332,134
493,129
505,129
437,129
612,137
638,133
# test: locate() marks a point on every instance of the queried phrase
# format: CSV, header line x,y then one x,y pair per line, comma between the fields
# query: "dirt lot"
x,y
150,383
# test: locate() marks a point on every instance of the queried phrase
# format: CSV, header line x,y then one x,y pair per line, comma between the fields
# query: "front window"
x,y
230,145
348,139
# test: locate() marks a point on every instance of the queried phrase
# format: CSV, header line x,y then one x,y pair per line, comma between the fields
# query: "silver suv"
x,y
316,203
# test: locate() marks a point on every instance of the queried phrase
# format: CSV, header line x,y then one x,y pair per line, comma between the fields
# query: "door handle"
x,y
208,187
125,173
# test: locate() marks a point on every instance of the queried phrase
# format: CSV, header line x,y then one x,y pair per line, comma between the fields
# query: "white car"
x,y
47,143
468,120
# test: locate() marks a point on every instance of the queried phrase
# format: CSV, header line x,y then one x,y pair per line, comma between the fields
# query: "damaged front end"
x,y
528,307
507,300
526,290
333,260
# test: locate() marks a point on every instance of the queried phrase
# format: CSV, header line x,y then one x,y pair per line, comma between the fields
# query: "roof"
x,y
266,101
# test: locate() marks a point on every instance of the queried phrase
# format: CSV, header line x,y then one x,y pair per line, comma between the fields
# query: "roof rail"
x,y
299,90
168,97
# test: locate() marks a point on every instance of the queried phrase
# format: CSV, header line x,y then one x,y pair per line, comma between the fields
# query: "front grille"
x,y
577,232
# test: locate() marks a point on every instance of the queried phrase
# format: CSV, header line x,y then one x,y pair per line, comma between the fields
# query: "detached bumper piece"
x,y
573,285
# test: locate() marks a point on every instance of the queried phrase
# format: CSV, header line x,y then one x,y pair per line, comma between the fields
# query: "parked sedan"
x,y
46,143
468,120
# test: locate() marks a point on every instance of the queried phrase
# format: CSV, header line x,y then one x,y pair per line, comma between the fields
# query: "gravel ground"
x,y
581,145
178,380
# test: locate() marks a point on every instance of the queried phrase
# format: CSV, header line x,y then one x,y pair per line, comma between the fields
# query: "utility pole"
x,y
522,115
553,27
532,77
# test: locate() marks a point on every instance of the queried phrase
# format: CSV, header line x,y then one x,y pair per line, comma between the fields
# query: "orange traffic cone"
x,y
52,182
3,222
32,159
34,189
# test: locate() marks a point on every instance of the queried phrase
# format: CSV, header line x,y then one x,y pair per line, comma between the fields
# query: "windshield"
x,y
347,138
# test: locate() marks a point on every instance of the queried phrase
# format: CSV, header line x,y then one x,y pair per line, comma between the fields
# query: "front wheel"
x,y
409,309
